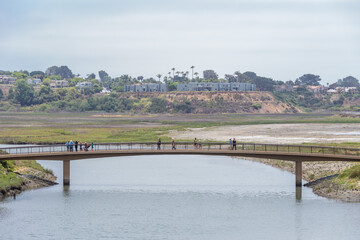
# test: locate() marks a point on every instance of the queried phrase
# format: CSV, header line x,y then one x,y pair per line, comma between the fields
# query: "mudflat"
x,y
295,133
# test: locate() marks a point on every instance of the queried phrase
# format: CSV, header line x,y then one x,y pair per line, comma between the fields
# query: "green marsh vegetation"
x,y
48,128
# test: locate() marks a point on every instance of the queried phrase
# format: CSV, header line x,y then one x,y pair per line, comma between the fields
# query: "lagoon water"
x,y
175,197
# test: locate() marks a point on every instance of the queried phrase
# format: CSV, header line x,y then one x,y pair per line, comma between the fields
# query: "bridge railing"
x,y
185,146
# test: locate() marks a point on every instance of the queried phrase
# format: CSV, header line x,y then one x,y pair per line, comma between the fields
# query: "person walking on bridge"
x,y
173,144
76,145
67,146
71,143
158,144
234,144
231,144
195,144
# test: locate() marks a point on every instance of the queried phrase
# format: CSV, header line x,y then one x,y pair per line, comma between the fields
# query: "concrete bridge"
x,y
295,153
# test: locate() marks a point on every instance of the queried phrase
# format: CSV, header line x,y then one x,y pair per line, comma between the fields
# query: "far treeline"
x,y
106,93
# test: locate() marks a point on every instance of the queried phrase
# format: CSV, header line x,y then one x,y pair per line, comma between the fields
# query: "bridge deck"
x,y
288,156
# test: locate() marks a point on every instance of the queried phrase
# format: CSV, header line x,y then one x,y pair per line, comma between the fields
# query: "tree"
x,y
24,93
171,86
349,81
308,80
250,75
62,71
192,72
196,74
102,75
1,94
44,95
38,74
264,84
173,70
230,78
91,76
159,76
210,75
20,75
140,78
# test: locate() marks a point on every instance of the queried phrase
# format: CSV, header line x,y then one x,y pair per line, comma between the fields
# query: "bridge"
x,y
295,153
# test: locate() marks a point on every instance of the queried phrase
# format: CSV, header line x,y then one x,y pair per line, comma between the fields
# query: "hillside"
x,y
211,102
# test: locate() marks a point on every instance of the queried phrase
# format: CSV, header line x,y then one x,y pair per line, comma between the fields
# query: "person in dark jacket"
x,y
76,145
158,144
234,144
173,144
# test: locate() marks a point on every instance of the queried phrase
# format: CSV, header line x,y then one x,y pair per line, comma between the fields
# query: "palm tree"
x,y
196,74
159,76
177,73
173,69
192,72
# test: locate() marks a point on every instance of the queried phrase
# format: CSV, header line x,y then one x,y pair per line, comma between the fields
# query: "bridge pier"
x,y
298,173
66,172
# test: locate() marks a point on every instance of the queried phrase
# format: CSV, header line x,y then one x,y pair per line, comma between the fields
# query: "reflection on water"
x,y
175,197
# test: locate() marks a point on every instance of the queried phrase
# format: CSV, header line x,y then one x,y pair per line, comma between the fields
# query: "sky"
x,y
281,39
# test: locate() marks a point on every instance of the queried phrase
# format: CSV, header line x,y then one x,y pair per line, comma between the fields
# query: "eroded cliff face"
x,y
221,102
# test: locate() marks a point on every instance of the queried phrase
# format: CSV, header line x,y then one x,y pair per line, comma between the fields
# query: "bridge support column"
x,y
66,172
298,173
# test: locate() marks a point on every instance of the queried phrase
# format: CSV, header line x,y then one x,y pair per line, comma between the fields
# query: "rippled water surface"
x,y
175,197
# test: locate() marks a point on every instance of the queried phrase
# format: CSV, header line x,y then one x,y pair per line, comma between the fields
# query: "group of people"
x,y
70,145
173,147
232,143
197,144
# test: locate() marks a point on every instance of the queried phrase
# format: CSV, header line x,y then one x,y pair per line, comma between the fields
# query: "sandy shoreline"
x,y
296,133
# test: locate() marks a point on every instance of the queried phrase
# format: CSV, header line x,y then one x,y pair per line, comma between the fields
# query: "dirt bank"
x,y
32,179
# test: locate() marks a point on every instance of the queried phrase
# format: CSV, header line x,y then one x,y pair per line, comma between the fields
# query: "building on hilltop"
x,y
59,83
81,85
5,79
35,81
316,89
221,87
146,87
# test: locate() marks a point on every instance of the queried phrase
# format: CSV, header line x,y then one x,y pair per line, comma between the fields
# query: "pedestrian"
x,y
195,144
158,144
86,146
199,144
76,145
231,144
67,146
173,144
80,145
234,144
71,144
92,146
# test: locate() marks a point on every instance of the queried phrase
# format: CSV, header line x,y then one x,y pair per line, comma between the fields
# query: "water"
x,y
175,197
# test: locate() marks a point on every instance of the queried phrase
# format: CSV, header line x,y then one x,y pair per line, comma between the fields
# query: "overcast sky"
x,y
282,39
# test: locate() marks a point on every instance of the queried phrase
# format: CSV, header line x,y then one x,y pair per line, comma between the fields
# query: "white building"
x,y
146,87
35,81
83,84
